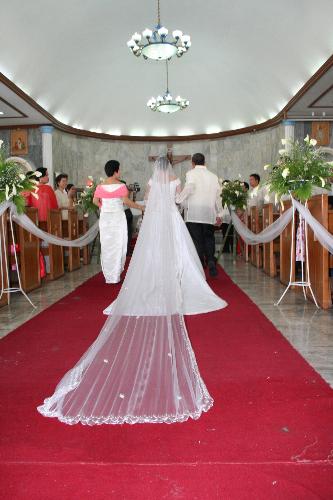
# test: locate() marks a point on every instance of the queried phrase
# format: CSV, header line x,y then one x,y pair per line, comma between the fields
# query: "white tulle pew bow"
x,y
25,222
274,230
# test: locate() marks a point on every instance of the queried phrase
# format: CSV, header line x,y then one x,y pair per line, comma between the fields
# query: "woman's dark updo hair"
x,y
111,167
68,187
42,170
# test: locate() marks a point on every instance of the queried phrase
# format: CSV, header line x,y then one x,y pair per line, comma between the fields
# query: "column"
x,y
47,131
289,132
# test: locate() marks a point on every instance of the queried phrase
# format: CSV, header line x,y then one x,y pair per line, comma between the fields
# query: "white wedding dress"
x,y
141,367
196,296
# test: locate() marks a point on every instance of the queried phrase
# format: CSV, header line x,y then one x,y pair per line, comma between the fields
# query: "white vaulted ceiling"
x,y
247,60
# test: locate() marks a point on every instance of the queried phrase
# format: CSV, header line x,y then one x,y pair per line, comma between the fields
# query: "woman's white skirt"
x,y
113,236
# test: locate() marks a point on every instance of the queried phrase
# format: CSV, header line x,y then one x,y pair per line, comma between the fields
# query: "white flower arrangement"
x,y
300,167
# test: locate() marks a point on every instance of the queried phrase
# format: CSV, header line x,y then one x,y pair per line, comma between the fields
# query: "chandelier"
x,y
166,103
157,44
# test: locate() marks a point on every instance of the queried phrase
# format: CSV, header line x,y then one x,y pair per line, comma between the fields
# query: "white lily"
x,y
307,138
237,193
285,173
313,142
244,207
266,167
322,182
282,152
22,177
1,143
7,192
283,142
14,191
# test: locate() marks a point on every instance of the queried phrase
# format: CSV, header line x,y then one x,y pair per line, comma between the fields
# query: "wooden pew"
x,y
318,255
271,249
29,254
285,249
4,248
71,231
83,228
247,222
330,229
55,252
256,250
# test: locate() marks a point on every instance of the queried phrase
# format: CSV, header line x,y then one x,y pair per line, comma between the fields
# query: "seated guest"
x,y
27,194
256,192
64,201
46,197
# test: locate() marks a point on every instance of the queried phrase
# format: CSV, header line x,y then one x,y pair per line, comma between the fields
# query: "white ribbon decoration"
x,y
274,230
268,234
320,232
25,222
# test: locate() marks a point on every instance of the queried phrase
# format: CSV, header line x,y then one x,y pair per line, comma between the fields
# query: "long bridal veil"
x,y
141,368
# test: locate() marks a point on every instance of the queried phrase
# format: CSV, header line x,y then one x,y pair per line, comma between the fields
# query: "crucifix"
x,y
173,159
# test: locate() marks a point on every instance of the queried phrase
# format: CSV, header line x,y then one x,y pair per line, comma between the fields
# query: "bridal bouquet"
x,y
234,195
14,181
86,198
300,167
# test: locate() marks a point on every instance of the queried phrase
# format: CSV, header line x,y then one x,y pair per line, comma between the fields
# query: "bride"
x,y
196,297
141,368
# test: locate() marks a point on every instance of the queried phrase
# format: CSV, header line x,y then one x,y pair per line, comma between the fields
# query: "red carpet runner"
x,y
268,436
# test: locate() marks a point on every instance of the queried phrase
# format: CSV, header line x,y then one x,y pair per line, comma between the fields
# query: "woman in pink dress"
x,y
111,196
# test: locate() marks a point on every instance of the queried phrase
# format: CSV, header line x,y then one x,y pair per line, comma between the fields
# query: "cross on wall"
x,y
173,159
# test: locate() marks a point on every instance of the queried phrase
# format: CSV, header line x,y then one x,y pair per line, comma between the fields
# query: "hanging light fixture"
x,y
157,44
166,103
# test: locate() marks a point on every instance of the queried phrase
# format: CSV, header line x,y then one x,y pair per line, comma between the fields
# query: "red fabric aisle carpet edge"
x,y
272,413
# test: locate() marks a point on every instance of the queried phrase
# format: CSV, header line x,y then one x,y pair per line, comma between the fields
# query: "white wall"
x,y
228,157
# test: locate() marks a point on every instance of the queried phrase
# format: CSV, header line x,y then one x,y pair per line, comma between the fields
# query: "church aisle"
x,y
308,329
20,310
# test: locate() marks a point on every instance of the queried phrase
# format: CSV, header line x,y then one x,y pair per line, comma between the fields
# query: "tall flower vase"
x,y
4,262
305,281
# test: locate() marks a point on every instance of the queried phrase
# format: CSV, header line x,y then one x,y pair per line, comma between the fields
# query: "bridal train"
x,y
142,368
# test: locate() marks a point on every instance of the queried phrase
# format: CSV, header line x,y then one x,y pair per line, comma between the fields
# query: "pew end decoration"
x,y
300,168
86,198
233,195
14,181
